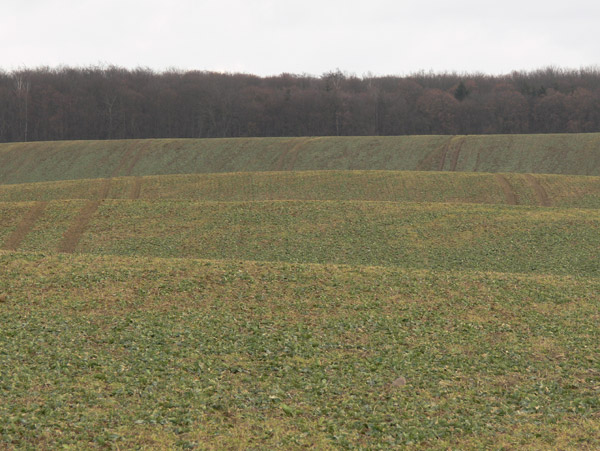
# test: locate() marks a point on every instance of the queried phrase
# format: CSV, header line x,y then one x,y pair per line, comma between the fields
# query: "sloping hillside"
x,y
576,154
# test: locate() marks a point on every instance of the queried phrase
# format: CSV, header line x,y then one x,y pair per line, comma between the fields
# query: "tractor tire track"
x,y
540,192
129,159
136,159
74,233
444,153
427,163
126,156
104,189
296,151
15,239
509,194
136,188
287,159
280,164
457,148
477,161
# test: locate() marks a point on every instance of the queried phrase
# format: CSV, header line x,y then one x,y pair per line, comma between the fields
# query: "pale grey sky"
x,y
266,37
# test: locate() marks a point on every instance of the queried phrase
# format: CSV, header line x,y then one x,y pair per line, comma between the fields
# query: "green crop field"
x,y
103,351
574,154
206,294
394,186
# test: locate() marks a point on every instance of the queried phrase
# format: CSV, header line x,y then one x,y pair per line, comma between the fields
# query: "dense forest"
x,y
113,103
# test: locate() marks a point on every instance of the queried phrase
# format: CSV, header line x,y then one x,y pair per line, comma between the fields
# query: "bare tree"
x,y
22,93
112,102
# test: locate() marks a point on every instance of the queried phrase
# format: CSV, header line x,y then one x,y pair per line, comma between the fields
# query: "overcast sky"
x,y
266,37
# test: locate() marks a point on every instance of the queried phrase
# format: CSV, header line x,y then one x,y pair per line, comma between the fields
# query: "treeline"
x,y
113,103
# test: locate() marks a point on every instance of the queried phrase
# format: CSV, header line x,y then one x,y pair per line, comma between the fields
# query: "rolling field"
x,y
413,235
573,154
393,186
269,308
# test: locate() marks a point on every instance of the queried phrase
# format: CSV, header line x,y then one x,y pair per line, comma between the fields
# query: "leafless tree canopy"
x,y
111,103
